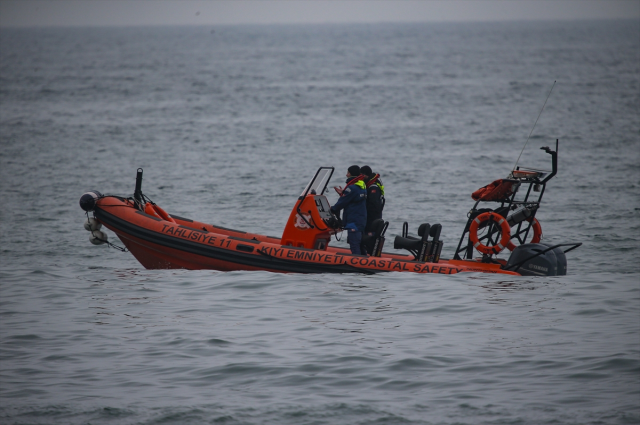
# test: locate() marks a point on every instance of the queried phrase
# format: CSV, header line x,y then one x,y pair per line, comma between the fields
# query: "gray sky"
x,y
21,13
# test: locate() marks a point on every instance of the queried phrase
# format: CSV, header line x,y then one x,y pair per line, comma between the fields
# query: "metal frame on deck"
x,y
536,181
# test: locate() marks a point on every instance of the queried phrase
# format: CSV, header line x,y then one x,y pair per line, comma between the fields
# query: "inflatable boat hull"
x,y
160,244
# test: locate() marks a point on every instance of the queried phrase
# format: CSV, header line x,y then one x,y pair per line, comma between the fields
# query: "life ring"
x,y
537,234
505,229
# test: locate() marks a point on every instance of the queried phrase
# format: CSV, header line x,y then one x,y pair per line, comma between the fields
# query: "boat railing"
x,y
535,182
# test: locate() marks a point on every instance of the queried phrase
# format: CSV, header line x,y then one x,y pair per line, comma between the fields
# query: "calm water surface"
x,y
229,125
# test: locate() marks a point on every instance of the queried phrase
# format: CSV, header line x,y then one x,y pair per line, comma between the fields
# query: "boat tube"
x,y
159,240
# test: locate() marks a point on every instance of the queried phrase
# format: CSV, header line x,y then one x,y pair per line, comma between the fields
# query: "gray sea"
x,y
229,123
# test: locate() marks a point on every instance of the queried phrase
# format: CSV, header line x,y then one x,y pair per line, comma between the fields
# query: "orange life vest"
x,y
498,190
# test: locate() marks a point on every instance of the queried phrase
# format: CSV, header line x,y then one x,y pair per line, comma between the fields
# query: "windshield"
x,y
319,182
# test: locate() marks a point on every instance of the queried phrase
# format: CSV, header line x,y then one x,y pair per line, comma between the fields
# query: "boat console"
x,y
311,222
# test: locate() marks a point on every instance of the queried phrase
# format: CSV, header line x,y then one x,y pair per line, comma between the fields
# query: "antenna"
x,y
534,126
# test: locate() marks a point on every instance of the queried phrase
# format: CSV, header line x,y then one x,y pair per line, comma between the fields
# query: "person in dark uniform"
x,y
375,196
353,199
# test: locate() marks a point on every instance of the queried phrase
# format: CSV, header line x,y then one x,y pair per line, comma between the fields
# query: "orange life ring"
x,y
537,234
505,229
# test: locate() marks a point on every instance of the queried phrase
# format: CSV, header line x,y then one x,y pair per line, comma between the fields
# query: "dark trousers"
x,y
354,238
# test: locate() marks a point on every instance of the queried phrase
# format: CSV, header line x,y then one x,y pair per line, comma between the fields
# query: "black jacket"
x,y
375,203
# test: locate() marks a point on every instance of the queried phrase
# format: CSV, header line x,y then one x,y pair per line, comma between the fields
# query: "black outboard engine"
x,y
561,259
536,259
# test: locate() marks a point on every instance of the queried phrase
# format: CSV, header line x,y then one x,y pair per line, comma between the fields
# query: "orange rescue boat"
x,y
159,240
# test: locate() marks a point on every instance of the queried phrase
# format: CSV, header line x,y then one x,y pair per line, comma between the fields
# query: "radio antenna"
x,y
534,126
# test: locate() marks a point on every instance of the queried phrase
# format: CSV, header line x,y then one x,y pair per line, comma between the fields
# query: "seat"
x,y
422,248
373,241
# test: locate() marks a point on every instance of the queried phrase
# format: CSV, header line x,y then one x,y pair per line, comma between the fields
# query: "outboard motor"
x,y
561,259
536,259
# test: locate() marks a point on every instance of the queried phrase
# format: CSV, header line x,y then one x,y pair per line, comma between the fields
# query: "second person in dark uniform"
x,y
375,196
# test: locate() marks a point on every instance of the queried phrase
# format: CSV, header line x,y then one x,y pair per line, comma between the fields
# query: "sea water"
x,y
229,124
